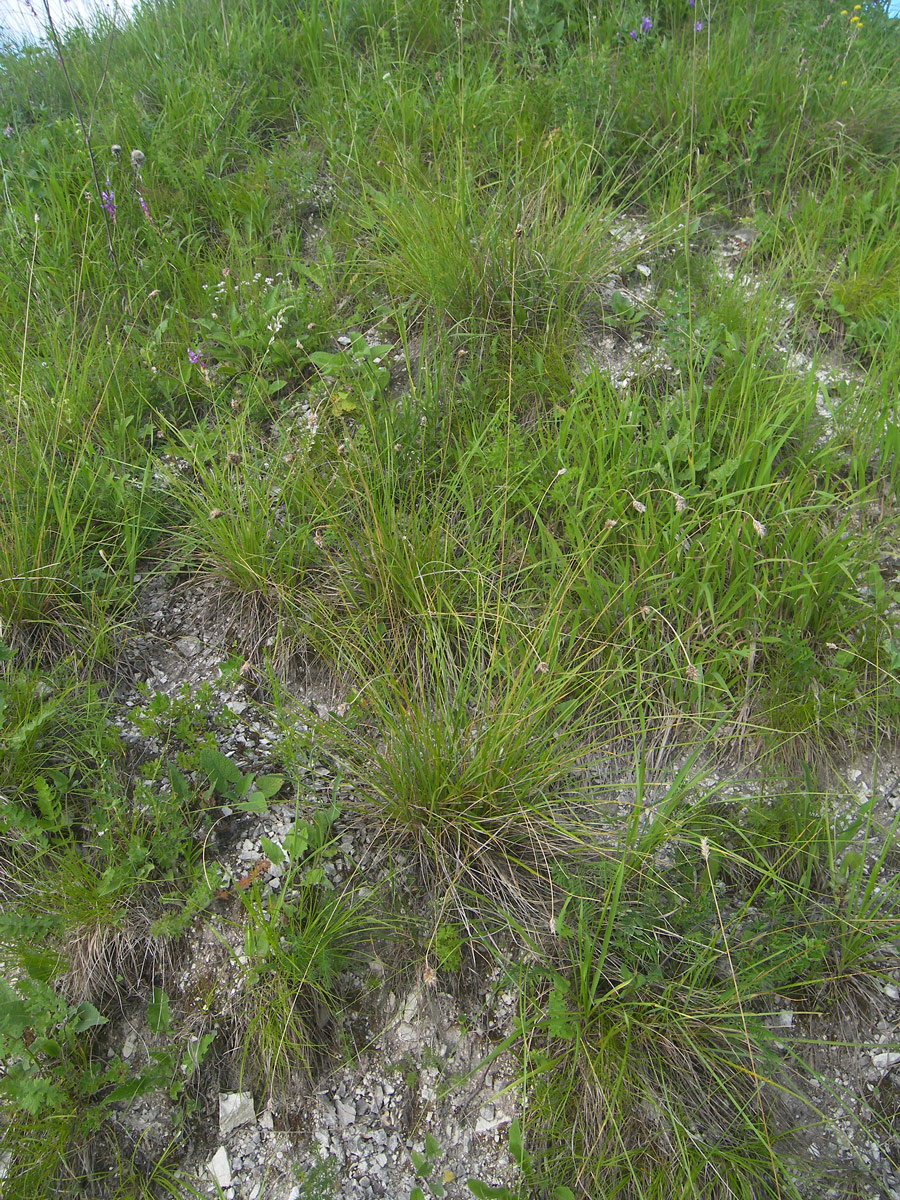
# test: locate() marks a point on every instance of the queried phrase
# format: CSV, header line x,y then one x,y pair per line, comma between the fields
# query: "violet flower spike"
x,y
698,28
634,34
108,202
646,25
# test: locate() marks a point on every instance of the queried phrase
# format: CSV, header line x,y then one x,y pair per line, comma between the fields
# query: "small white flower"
x,y
759,528
638,507
680,503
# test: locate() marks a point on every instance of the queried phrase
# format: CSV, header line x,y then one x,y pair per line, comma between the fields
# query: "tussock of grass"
x,y
537,383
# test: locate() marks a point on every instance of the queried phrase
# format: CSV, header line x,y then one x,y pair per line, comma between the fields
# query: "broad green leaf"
x,y
516,1144
22,734
158,1011
197,1051
485,1191
220,769
432,1146
131,1089
86,1017
46,1045
272,850
296,842
269,785
181,788
255,804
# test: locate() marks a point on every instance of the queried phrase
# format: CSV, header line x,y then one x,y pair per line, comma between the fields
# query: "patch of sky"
x,y
23,22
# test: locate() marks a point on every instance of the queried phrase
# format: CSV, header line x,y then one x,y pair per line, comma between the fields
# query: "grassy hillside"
x,y
513,388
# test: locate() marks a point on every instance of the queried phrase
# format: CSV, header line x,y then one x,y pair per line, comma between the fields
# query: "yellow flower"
x,y
857,7
844,12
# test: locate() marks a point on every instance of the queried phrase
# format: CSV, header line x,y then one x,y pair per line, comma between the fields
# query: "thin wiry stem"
x,y
85,133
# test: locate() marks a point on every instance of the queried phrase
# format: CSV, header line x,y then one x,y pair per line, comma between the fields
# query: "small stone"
x,y
346,1112
343,340
781,1020
885,1059
219,1168
643,269
891,991
129,1045
266,1121
235,1109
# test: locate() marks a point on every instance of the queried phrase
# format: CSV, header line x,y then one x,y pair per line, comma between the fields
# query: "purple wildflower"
x,y
634,34
145,207
646,25
698,28
108,202
692,3
194,356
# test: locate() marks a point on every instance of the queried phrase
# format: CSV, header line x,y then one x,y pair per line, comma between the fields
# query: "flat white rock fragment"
x,y
235,1109
219,1168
